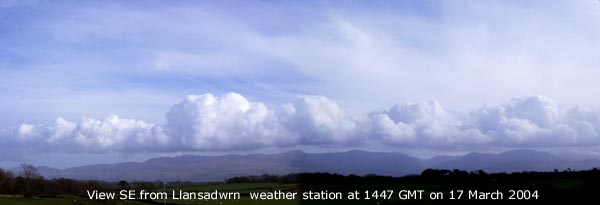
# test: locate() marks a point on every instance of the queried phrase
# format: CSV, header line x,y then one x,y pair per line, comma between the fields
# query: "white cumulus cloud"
x,y
109,134
536,121
231,122
318,120
208,122
421,123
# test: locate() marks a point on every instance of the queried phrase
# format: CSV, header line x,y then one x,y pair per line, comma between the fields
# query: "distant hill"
x,y
212,168
359,163
515,161
217,168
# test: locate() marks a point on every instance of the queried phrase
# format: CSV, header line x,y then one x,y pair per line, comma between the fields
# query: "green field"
x,y
563,187
62,201
73,201
244,189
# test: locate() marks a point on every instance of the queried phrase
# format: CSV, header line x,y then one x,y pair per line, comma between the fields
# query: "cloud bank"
x,y
231,122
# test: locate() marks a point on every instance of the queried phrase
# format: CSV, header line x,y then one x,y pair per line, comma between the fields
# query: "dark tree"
x,y
123,185
3,179
29,174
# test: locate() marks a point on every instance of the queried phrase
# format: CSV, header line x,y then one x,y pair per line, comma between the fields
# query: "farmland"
x,y
531,188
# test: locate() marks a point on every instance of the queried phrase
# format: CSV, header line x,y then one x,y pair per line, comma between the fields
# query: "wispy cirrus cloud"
x,y
397,51
95,59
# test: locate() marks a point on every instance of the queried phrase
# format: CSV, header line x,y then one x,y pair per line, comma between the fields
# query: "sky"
x,y
86,82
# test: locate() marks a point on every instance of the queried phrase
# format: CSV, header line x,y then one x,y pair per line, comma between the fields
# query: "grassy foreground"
x,y
243,188
67,200
569,187
76,200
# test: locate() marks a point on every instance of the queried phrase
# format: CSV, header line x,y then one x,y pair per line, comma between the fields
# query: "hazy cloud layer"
x,y
231,122
59,58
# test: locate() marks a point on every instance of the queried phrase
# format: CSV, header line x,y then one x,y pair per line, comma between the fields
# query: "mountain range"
x,y
217,168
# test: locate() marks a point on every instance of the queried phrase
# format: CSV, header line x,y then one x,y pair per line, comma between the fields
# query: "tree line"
x,y
453,177
28,182
562,187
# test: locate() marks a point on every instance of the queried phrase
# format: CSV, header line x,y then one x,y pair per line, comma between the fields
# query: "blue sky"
x,y
77,60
